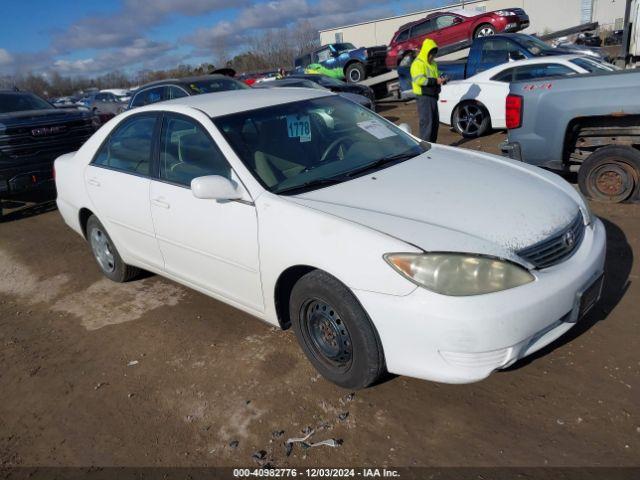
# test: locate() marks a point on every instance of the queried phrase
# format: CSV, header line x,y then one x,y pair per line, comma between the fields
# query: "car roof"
x,y
234,101
181,80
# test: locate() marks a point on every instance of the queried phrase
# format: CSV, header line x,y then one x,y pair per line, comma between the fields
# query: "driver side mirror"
x,y
215,187
456,21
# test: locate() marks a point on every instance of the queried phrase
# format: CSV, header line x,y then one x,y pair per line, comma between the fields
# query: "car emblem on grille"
x,y
569,239
44,131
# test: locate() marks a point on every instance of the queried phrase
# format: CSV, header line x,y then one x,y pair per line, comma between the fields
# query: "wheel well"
x,y
351,62
469,102
475,30
282,294
84,215
585,135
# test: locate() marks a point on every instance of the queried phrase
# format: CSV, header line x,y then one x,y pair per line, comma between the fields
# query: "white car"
x,y
475,105
307,210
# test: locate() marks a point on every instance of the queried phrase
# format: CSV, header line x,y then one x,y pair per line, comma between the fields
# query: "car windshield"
x,y
594,66
20,102
301,146
216,85
535,45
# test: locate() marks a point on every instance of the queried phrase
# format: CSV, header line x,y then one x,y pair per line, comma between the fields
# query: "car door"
x,y
117,182
210,244
449,29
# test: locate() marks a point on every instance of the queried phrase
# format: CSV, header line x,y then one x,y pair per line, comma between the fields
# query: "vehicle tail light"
x,y
514,111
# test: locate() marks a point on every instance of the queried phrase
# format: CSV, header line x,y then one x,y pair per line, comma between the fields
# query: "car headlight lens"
x,y
506,13
458,274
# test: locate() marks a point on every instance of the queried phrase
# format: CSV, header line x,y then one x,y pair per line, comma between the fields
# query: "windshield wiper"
x,y
321,182
380,163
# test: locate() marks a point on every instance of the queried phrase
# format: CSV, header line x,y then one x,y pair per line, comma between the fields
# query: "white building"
x,y
546,16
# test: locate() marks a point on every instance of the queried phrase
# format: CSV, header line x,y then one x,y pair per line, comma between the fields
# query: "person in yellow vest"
x,y
426,82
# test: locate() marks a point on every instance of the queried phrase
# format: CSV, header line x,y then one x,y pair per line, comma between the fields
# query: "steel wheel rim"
x,y
327,334
613,181
470,119
102,250
485,32
354,75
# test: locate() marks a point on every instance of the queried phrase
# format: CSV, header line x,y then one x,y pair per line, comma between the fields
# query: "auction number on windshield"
x,y
299,127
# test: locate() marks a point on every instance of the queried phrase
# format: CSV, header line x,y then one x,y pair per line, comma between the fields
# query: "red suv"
x,y
449,28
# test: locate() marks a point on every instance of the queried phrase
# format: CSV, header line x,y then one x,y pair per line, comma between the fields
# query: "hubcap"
x,y
470,118
330,339
613,181
102,250
485,32
354,76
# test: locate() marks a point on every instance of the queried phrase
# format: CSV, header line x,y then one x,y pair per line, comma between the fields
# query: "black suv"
x,y
33,133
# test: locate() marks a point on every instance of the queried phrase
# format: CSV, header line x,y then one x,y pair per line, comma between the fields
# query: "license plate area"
x,y
587,298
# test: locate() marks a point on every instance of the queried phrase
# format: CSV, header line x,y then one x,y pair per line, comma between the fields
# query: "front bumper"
x,y
513,150
17,181
464,339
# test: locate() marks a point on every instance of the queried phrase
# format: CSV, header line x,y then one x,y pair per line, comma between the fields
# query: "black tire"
x,y
335,332
355,73
111,263
471,120
484,30
611,175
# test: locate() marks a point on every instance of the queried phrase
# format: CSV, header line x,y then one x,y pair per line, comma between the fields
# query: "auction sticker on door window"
x,y
377,129
299,126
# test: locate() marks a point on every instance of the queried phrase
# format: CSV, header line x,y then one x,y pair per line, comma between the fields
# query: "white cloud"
x,y
5,57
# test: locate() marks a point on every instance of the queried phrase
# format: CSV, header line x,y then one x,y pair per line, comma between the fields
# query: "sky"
x,y
92,37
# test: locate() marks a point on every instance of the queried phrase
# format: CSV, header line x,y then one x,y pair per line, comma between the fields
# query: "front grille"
x,y
558,247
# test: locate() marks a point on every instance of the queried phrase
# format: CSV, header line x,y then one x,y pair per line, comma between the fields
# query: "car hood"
x,y
32,117
452,200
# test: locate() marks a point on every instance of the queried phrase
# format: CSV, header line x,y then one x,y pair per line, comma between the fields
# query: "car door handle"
x,y
159,202
94,182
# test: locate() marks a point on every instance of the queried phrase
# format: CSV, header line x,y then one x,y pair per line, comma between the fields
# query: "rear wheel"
x,y
484,30
355,73
335,332
106,255
471,120
611,175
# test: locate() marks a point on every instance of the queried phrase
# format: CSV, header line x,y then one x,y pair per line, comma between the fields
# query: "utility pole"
x,y
627,32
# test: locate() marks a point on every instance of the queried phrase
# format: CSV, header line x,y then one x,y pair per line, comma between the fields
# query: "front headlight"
x,y
506,13
458,274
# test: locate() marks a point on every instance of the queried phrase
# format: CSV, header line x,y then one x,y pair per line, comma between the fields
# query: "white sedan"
x,y
307,210
475,105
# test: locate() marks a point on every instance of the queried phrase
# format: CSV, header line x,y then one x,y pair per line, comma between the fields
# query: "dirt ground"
x,y
152,373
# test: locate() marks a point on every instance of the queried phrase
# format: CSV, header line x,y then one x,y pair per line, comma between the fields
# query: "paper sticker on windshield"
x,y
299,126
377,129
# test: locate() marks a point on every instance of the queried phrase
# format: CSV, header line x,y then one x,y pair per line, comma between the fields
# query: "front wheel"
x,y
335,332
355,73
485,30
471,120
611,175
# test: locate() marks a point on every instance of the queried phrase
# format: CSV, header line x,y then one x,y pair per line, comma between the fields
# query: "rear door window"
x,y
129,146
505,76
148,96
403,36
531,72
422,28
